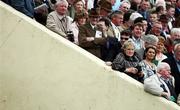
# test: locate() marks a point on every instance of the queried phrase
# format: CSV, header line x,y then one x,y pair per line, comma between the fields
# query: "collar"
x,y
134,39
60,16
177,61
93,26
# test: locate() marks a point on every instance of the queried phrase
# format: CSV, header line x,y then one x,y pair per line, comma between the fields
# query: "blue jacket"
x,y
24,6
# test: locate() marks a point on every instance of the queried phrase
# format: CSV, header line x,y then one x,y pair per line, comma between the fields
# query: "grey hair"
x,y
163,65
151,39
176,46
128,43
133,16
175,31
126,1
176,41
61,2
115,13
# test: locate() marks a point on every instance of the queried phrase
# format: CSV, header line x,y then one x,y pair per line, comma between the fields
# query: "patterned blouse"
x,y
147,69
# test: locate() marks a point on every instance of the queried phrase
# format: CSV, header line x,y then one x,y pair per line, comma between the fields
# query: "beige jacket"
x,y
54,23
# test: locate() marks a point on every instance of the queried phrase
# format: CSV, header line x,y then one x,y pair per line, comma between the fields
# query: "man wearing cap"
x,y
105,7
89,37
57,20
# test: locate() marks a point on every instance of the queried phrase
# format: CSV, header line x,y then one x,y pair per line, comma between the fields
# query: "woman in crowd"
x,y
127,61
160,49
162,83
76,7
147,65
79,19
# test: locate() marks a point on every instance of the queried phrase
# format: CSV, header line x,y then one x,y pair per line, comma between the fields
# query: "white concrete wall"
x,y
39,70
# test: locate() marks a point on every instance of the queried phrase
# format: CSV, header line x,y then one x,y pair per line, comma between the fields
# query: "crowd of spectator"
x,y
140,38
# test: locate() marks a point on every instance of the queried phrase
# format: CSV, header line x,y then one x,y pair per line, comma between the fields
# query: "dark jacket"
x,y
123,61
93,47
24,6
111,49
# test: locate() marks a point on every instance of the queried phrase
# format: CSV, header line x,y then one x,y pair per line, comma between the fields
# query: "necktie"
x,y
63,23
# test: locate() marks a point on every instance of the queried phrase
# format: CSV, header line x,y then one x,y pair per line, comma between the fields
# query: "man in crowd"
x,y
137,31
144,7
24,6
161,83
156,28
171,40
125,6
174,62
57,20
89,37
105,7
116,23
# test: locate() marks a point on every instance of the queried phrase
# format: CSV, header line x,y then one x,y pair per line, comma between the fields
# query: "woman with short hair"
x,y
127,61
79,20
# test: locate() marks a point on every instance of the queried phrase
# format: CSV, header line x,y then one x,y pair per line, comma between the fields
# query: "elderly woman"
x,y
128,61
162,83
79,19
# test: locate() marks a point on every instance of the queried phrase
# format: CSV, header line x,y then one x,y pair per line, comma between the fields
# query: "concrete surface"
x,y
40,70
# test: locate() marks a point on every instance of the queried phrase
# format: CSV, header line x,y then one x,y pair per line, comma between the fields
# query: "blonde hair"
x,y
128,43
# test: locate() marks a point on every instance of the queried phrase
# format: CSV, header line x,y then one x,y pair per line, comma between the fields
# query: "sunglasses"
x,y
126,8
124,38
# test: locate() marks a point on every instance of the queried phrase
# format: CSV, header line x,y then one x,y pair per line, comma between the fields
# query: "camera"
x,y
70,36
138,67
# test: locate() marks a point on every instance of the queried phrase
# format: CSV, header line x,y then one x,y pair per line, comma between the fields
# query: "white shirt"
x,y
90,4
74,28
116,31
139,43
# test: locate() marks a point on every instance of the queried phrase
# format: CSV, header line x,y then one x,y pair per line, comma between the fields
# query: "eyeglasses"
x,y
124,38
